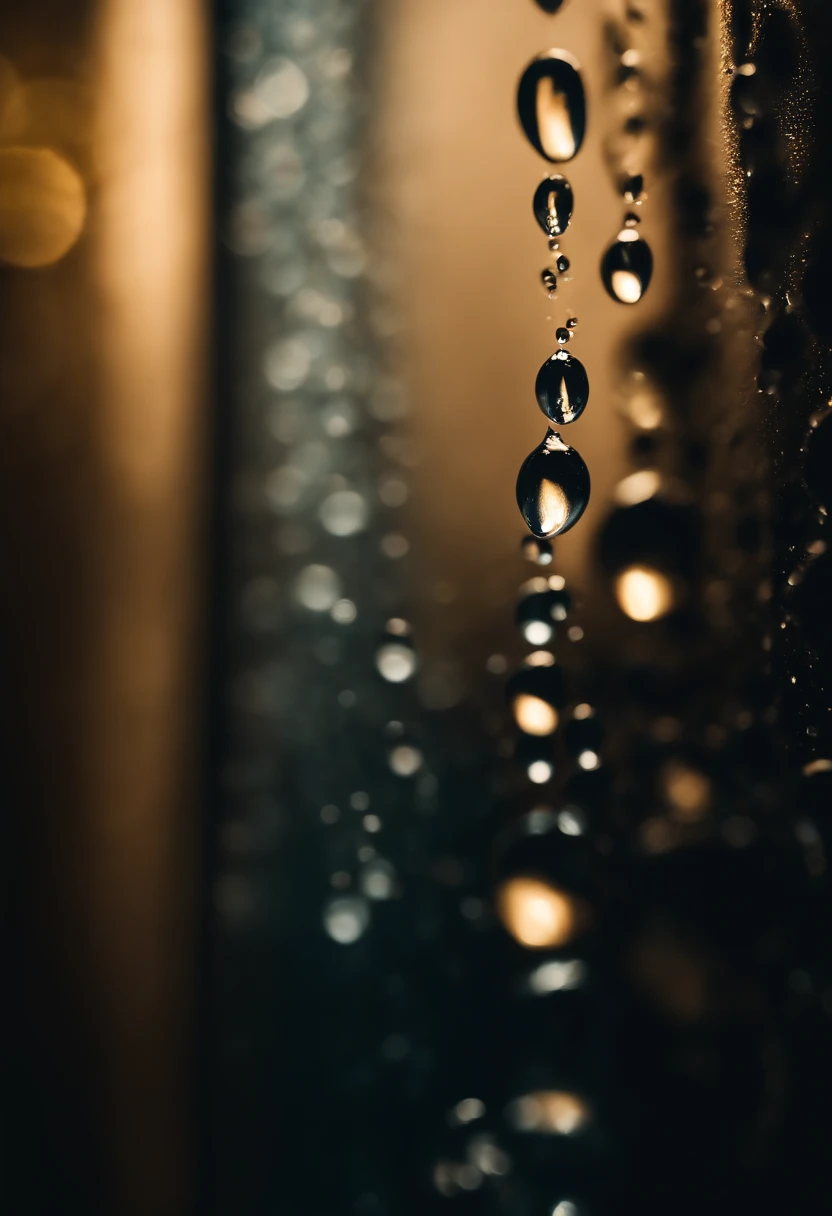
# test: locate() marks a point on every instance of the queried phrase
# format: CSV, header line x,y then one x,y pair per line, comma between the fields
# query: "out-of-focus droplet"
x,y
535,695
536,914
632,188
550,1112
549,280
540,608
557,975
405,760
627,267
344,513
43,206
346,919
552,487
282,88
536,550
643,593
396,661
552,105
562,388
553,204
317,588
550,6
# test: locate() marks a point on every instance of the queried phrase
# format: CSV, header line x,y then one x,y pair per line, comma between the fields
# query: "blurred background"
x,y
364,855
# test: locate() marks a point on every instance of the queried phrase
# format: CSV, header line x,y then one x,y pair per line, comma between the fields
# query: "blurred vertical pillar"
x,y
101,459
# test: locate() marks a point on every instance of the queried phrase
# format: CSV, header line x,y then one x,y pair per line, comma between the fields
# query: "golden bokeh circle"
x,y
43,206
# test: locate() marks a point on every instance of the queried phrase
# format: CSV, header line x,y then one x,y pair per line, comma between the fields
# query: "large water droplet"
x,y
553,204
552,487
552,105
627,267
562,388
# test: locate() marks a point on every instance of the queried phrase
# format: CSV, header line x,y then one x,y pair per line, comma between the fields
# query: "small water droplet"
x,y
563,335
562,264
562,388
552,106
553,204
536,550
572,323
552,487
631,220
554,246
550,6
346,919
627,267
632,188
549,280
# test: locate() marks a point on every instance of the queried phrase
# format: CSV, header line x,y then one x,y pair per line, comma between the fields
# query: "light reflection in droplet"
x,y
346,919
344,513
557,976
396,662
43,207
551,1112
643,593
540,771
317,588
535,914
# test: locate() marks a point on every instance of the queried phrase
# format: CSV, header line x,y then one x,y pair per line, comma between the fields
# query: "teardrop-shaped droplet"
x,y
562,388
627,267
552,106
553,204
552,487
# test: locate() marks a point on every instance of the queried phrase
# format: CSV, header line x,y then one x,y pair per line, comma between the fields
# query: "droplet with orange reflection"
x,y
552,105
552,487
43,206
644,593
627,267
550,1112
538,915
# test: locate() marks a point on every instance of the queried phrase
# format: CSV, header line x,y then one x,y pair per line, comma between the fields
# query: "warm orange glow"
x,y
557,137
643,594
537,915
43,206
626,286
687,790
550,1111
534,716
554,507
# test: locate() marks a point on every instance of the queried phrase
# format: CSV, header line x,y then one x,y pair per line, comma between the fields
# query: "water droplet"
x,y
344,513
550,6
631,220
553,203
563,264
632,188
549,280
396,661
318,588
538,551
562,388
563,335
346,919
552,487
572,323
627,267
552,106
534,696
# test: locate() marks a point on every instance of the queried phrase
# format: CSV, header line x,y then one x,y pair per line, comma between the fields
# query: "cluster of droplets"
x,y
553,484
627,265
